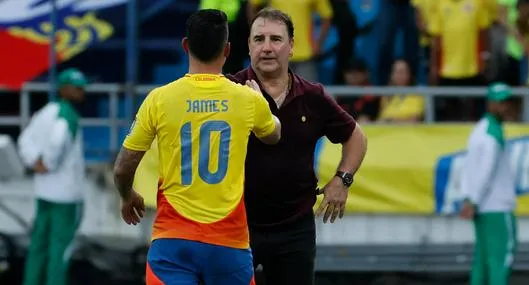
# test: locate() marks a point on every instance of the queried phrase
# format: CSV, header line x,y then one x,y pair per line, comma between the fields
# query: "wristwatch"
x,y
347,178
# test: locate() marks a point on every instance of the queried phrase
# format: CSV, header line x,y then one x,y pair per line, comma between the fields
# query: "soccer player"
x,y
488,185
202,123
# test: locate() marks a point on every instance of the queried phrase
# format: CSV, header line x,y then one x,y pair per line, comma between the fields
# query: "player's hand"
x,y
39,167
468,211
334,198
133,208
252,84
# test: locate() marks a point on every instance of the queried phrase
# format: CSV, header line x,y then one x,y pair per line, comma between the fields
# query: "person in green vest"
x,y
238,31
52,146
488,188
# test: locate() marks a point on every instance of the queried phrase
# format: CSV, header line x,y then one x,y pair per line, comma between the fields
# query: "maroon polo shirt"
x,y
280,180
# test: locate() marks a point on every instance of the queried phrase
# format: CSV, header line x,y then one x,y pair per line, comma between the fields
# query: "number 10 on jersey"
x,y
204,146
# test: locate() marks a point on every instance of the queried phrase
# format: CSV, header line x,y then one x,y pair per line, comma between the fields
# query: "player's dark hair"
x,y
276,15
207,33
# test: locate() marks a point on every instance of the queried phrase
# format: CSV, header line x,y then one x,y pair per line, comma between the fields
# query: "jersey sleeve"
x,y
264,124
480,163
143,129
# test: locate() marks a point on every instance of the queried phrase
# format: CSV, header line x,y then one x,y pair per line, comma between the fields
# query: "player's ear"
x,y
227,49
185,44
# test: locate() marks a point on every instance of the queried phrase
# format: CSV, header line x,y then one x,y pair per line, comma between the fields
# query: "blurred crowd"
x,y
443,42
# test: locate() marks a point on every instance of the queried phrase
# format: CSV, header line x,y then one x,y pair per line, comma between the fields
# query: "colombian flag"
x,y
25,30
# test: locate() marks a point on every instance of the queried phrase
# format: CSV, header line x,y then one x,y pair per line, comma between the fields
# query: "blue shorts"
x,y
185,262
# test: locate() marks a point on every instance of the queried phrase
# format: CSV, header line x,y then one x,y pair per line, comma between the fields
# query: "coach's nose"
x,y
267,45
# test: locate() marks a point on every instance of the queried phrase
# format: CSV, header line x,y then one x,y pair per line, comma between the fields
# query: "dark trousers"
x,y
510,72
286,254
395,16
457,109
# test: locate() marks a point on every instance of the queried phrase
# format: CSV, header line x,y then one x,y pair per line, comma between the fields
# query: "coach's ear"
x,y
185,44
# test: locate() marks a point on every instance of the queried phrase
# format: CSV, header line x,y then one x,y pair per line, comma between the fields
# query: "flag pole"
x,y
52,78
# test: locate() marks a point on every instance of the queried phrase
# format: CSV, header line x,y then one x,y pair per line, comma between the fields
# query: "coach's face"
x,y
270,46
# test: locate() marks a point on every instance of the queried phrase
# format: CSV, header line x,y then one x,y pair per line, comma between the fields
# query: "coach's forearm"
x,y
353,151
124,169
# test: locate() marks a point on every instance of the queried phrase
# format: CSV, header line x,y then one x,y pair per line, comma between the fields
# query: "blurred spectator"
x,y
303,60
365,108
401,107
395,16
423,15
454,60
510,69
239,31
345,22
496,41
522,22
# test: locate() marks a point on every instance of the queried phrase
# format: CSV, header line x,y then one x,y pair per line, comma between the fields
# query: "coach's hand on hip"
x,y
133,208
334,197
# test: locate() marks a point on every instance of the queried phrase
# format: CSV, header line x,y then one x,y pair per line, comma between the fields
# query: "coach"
x,y
280,180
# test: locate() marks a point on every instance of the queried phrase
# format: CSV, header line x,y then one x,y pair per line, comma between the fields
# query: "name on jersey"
x,y
207,106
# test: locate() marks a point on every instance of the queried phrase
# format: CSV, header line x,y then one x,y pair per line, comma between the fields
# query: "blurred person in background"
x,y
395,16
238,27
52,146
458,27
488,188
306,48
200,233
345,22
364,108
280,183
514,50
424,9
401,108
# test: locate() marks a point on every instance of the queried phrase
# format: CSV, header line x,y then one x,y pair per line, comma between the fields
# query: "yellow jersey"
x,y
202,123
458,23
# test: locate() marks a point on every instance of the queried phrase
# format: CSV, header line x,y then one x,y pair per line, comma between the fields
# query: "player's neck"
x,y
196,67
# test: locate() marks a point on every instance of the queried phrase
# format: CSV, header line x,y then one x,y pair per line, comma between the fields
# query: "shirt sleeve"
x,y
479,167
264,124
338,124
29,151
143,129
324,9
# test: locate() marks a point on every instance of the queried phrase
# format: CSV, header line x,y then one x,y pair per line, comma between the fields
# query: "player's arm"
x,y
275,136
479,167
267,127
138,141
